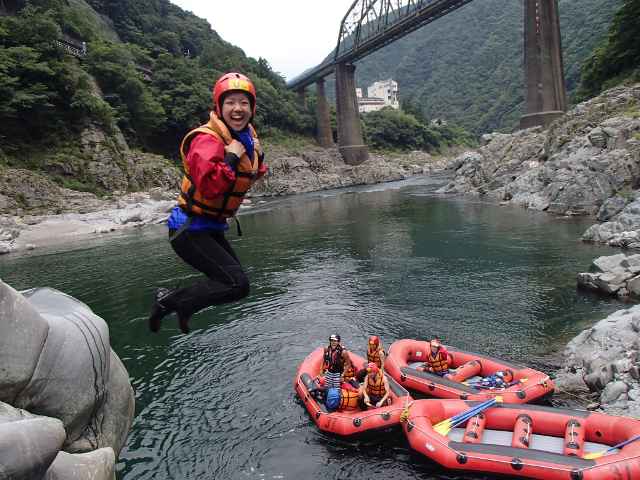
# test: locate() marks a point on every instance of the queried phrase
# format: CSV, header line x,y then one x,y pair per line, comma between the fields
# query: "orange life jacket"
x,y
348,399
376,388
375,357
226,205
439,363
349,372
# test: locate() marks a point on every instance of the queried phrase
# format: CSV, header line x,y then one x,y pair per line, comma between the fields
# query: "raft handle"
x,y
517,464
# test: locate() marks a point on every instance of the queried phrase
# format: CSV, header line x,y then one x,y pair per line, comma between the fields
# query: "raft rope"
x,y
581,400
524,463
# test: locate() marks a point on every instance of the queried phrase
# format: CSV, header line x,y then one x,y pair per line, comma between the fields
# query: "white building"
x,y
379,95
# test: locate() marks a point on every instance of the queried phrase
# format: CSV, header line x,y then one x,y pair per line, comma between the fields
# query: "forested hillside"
x,y
617,59
467,66
149,69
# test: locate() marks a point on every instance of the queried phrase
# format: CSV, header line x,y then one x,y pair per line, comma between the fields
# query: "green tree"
x,y
139,113
618,57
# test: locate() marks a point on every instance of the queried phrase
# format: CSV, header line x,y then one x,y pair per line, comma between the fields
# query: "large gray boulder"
x,y
28,444
613,275
55,360
606,359
96,465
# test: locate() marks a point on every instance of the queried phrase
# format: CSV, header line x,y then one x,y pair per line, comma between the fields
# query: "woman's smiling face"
x,y
236,110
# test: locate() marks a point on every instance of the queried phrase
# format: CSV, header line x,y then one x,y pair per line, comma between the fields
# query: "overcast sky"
x,y
291,35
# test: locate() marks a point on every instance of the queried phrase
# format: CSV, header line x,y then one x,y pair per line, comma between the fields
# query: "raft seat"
x,y
574,438
475,429
522,432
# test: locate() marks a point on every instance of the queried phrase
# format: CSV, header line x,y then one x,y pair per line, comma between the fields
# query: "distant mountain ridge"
x,y
467,66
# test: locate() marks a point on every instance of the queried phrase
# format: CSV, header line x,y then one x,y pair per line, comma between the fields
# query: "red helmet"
x,y
375,340
233,82
372,368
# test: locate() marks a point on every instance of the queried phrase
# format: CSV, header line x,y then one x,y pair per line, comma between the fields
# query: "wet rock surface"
x,y
61,388
605,360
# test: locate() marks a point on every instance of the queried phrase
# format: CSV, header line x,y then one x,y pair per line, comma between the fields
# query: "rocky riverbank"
x,y
51,214
586,163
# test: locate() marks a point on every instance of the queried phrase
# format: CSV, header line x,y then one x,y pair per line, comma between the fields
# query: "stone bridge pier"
x,y
350,139
325,136
546,97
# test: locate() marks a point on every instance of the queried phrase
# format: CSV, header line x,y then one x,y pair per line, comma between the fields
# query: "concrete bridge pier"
x,y
324,134
350,140
546,97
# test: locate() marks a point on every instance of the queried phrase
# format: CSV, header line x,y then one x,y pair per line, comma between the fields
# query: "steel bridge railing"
x,y
370,25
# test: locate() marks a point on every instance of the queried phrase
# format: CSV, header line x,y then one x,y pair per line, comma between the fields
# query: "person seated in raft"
x,y
375,354
500,379
349,400
437,358
335,360
318,391
374,390
349,380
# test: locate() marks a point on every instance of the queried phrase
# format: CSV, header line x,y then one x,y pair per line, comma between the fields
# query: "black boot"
x,y
158,310
183,321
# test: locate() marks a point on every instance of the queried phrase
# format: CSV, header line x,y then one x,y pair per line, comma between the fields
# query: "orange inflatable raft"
x,y
347,422
406,356
528,441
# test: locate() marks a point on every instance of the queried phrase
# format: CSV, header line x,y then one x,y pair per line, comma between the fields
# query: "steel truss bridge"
x,y
370,25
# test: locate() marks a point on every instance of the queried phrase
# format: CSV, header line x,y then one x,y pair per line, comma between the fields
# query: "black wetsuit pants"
x,y
210,253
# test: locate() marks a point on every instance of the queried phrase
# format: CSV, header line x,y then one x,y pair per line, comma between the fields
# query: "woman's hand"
x,y
236,148
258,147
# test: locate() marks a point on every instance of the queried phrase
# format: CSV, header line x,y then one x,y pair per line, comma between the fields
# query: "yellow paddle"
x,y
591,456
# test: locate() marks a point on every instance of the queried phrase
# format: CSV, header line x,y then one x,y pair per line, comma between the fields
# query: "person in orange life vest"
x,y
221,159
375,388
437,358
375,354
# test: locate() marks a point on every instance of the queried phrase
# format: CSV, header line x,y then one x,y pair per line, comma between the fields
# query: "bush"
x,y
397,130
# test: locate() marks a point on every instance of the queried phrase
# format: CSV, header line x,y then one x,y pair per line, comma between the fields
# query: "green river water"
x,y
393,260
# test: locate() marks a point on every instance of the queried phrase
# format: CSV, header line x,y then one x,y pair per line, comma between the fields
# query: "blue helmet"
x,y
333,399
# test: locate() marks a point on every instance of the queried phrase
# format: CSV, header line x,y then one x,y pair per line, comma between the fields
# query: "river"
x,y
393,260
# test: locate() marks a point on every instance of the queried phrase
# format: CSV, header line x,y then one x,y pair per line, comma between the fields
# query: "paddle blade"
x,y
594,455
591,456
